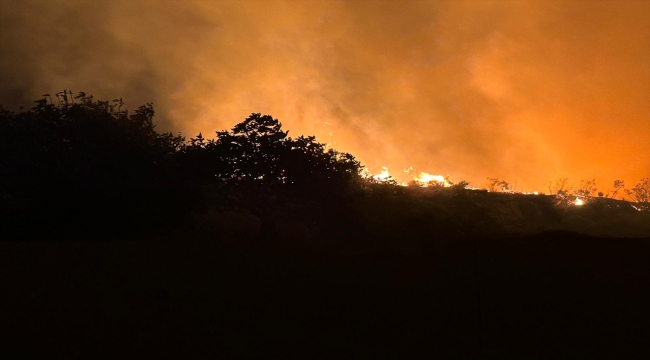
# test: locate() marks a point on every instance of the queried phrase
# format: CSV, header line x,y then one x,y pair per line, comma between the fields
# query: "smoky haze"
x,y
522,90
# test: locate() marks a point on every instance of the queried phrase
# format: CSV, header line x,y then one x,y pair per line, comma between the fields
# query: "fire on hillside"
x,y
424,179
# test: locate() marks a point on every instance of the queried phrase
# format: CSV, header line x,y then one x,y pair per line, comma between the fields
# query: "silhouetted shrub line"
x,y
81,164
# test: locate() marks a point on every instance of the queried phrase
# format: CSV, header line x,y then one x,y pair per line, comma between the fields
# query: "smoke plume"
x,y
525,91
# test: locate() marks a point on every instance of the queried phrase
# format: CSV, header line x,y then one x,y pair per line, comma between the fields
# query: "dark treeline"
x,y
75,165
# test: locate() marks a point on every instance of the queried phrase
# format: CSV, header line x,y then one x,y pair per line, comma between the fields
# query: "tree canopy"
x,y
258,153
80,162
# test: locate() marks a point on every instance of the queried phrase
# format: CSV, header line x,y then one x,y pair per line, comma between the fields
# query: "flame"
x,y
423,179
426,179
383,175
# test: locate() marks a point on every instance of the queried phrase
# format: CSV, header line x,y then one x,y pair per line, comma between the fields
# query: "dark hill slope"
x,y
390,276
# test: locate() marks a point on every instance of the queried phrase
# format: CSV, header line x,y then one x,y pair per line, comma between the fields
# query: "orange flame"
x,y
423,179
426,179
383,175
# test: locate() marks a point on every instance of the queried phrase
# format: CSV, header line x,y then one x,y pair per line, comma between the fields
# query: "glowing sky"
x,y
526,91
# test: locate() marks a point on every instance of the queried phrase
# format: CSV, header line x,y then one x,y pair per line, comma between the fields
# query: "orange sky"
x,y
525,91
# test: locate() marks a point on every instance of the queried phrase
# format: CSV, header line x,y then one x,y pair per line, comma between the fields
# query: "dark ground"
x,y
388,291
552,296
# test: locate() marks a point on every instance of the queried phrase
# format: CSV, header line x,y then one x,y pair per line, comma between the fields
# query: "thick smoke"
x,y
522,90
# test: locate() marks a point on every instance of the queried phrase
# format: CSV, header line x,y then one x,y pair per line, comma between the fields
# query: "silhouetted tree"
x,y
586,189
618,185
257,166
640,192
494,184
557,186
82,162
257,153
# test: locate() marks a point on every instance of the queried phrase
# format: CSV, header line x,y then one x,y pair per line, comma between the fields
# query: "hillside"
x,y
395,213
389,277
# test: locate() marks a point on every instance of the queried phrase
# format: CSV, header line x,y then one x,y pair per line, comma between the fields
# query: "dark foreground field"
x,y
189,295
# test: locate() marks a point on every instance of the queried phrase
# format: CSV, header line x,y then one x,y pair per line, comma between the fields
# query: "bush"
x,y
78,164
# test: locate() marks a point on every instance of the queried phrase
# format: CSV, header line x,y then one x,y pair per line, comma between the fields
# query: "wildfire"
x,y
425,179
383,175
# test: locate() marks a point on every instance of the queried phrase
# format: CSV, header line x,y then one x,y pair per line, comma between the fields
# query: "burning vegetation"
x,y
422,179
566,195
